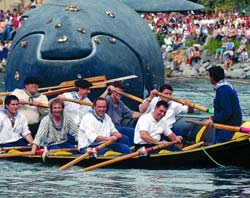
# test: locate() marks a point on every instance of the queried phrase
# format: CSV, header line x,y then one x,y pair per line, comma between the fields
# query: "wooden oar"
x,y
193,146
18,154
181,101
124,157
115,79
81,102
31,104
130,96
95,85
223,126
15,147
66,84
84,156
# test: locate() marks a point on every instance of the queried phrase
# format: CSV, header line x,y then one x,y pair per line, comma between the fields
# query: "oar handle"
x,y
81,102
124,157
135,98
181,101
223,126
82,157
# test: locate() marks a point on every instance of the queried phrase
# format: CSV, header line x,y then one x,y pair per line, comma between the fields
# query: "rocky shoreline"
x,y
236,71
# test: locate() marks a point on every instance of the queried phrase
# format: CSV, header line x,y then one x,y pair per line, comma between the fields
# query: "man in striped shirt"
x,y
56,129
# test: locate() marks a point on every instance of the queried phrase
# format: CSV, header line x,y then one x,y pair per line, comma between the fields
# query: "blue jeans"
x,y
127,131
222,136
120,146
20,142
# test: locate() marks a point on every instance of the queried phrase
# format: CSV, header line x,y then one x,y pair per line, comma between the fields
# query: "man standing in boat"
x,y
74,110
31,100
226,104
14,129
174,108
118,111
56,129
151,128
97,127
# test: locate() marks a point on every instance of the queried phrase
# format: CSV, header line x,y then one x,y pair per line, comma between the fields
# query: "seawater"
x,y
36,180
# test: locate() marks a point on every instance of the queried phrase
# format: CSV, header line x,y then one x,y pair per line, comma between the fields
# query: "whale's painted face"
x,y
57,44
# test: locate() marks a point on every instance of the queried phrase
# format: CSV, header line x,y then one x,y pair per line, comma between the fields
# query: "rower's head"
x,y
216,74
11,104
100,106
56,106
160,110
119,87
167,90
83,87
31,84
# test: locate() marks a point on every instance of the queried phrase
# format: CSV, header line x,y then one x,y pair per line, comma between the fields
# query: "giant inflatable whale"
x,y
67,38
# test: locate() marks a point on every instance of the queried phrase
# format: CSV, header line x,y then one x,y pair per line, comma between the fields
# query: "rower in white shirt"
x,y
14,129
74,110
174,108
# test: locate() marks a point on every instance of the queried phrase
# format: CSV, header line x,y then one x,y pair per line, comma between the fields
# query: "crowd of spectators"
x,y
10,22
179,28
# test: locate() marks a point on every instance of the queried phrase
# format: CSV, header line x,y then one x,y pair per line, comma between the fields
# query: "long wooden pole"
x,y
222,126
18,154
181,101
124,157
84,156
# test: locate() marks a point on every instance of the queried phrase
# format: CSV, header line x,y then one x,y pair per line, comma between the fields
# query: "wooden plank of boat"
x,y
16,154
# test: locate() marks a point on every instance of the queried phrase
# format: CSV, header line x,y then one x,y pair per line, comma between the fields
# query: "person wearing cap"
x,y
76,111
118,110
57,129
32,111
14,129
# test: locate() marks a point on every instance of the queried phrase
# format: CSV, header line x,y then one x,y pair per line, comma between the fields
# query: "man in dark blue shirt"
x,y
226,104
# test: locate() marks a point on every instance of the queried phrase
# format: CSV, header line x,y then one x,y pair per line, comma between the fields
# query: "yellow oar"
x,y
81,102
15,147
181,101
18,154
130,96
193,146
84,156
124,157
39,105
223,126
66,84
95,85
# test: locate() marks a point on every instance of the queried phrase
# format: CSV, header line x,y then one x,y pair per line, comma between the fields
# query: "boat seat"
x,y
111,153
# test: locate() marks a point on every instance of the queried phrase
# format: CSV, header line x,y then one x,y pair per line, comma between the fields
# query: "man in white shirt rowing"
x,y
174,108
14,129
97,127
151,129
74,110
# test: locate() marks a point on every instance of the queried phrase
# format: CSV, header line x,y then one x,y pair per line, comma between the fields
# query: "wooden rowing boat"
x,y
232,153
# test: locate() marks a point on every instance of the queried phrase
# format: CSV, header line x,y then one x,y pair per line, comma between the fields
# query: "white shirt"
x,y
90,128
10,134
74,110
174,109
154,128
32,113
